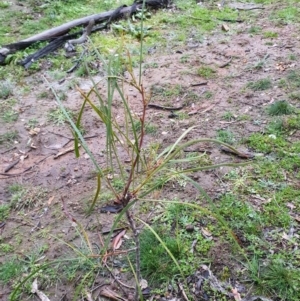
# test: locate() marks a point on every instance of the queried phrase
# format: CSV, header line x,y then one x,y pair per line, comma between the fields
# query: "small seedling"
x,y
270,34
282,280
9,137
228,116
206,72
32,123
58,117
280,107
254,29
9,270
294,96
260,85
22,196
226,136
6,89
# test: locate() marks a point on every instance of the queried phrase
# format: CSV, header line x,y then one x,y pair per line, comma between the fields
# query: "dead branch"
x,y
58,35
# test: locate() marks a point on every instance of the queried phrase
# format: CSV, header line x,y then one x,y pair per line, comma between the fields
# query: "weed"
x,y
58,117
9,116
293,78
280,107
282,83
292,57
4,212
206,72
275,127
133,30
150,128
117,183
228,116
6,248
260,85
6,89
44,94
151,65
182,115
184,59
4,4
9,270
254,29
292,123
270,34
286,15
23,197
240,215
156,264
8,137
208,95
295,95
265,143
32,123
282,280
226,136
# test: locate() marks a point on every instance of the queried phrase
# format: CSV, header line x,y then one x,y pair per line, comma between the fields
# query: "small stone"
x,y
189,228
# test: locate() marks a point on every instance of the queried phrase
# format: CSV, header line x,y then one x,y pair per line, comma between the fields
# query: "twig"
x,y
78,61
10,166
115,278
225,64
27,169
8,150
155,106
231,20
236,153
199,84
68,150
137,252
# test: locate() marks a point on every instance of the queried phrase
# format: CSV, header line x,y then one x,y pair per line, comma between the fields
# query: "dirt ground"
x,y
233,54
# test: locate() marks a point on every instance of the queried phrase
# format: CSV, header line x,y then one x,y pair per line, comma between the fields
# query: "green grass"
x,y
156,264
25,196
260,85
57,116
206,72
270,34
280,107
4,212
6,89
4,4
226,136
280,279
9,270
8,137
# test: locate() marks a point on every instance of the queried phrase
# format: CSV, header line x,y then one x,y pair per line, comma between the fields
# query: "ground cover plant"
x,y
203,233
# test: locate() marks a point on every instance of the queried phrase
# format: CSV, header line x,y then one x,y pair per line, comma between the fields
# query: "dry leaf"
x,y
106,292
205,232
34,290
225,27
50,200
143,284
34,131
236,294
117,241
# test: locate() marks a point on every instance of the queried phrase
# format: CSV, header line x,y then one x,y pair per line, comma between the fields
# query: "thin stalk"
x,y
141,45
137,158
137,253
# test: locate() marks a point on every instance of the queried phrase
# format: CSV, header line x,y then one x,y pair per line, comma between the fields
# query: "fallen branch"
x,y
58,35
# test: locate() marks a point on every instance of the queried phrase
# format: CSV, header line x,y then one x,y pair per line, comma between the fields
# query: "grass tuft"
x,y
260,85
206,72
280,107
